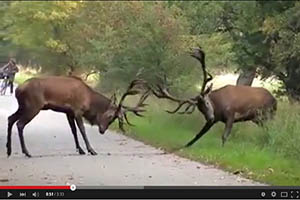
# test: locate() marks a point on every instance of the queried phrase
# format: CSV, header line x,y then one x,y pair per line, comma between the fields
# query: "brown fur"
x,y
242,101
235,104
230,104
69,95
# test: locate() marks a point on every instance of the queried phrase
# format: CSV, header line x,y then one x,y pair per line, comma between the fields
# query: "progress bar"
x,y
35,187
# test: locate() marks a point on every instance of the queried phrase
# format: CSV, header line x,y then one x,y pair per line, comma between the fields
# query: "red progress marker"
x,y
35,187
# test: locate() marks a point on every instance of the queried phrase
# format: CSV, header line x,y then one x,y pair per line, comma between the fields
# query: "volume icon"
x,y
35,194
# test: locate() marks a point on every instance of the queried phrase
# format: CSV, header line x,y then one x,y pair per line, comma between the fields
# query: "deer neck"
x,y
98,104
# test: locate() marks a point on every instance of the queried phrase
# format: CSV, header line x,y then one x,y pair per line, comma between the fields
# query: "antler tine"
x,y
130,90
162,93
186,111
143,99
126,119
137,109
179,106
200,56
121,124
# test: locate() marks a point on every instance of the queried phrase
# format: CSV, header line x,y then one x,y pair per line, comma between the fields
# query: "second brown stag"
x,y
228,104
70,95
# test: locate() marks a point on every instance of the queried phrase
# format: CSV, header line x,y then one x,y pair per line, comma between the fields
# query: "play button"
x,y
9,194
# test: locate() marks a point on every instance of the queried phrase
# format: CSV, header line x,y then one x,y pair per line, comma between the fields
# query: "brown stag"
x,y
228,104
70,95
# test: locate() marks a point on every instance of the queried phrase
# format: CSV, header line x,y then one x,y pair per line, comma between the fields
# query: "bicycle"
x,y
4,85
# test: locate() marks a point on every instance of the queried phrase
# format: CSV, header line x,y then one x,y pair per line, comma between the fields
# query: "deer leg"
x,y
11,120
258,122
227,131
25,119
11,84
74,132
260,117
83,133
206,127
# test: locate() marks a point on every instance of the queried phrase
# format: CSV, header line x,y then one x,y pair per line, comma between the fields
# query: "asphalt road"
x,y
120,160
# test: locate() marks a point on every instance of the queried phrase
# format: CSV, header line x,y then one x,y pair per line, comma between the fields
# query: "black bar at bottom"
x,y
152,194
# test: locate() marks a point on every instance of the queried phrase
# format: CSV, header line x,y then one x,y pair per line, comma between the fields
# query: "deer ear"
x,y
113,99
209,89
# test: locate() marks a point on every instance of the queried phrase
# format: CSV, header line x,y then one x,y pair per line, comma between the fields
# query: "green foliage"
x,y
138,37
119,39
204,17
285,51
265,36
41,30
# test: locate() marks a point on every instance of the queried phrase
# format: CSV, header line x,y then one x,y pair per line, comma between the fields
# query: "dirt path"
x,y
120,160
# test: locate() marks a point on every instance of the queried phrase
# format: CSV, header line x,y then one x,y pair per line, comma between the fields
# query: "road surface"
x,y
121,161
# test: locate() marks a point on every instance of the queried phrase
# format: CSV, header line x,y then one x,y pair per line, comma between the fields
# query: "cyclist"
x,y
10,71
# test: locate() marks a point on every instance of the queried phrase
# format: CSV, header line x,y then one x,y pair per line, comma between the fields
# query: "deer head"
x,y
119,111
202,101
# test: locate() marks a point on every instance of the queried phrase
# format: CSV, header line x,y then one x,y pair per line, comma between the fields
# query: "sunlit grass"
x,y
23,75
229,78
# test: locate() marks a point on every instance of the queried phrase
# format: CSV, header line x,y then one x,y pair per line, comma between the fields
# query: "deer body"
x,y
228,104
69,95
65,94
235,104
241,102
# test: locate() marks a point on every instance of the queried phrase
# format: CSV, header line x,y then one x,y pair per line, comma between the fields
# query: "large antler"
x,y
199,54
162,93
132,90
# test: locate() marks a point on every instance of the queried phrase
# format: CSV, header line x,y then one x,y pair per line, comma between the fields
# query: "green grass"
x,y
268,155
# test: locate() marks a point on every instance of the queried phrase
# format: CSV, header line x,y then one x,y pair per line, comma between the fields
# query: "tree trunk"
x,y
246,77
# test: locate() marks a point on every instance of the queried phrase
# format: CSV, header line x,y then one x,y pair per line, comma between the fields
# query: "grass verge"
x,y
269,155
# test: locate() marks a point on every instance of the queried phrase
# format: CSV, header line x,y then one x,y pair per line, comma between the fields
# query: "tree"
x,y
133,37
43,29
118,39
254,29
283,30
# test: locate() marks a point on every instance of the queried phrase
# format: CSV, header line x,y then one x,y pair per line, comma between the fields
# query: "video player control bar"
x,y
149,192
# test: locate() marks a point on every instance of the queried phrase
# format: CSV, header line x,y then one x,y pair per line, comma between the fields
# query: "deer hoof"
x,y
27,155
92,152
8,152
81,152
